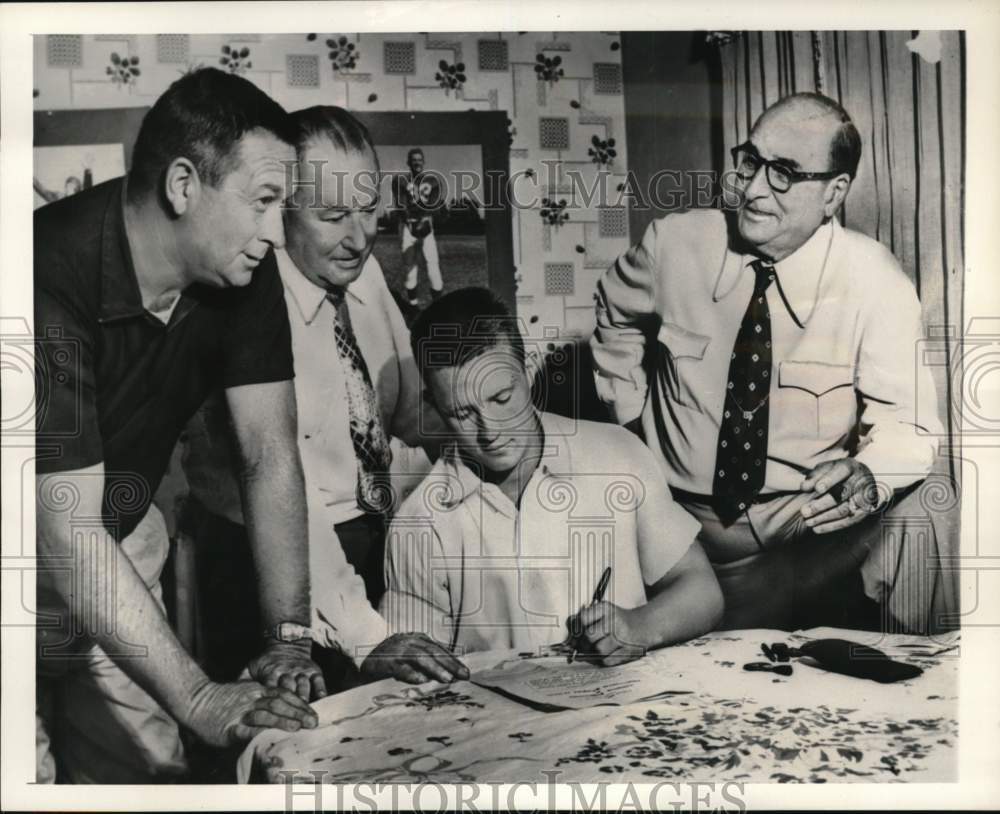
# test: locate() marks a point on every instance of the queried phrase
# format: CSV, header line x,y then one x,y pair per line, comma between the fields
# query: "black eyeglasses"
x,y
780,176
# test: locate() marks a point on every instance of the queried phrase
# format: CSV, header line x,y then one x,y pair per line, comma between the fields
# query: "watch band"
x,y
288,632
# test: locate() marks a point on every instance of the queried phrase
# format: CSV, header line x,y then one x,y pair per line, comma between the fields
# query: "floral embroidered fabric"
x,y
712,722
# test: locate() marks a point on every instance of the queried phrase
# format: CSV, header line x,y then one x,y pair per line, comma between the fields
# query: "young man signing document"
x,y
502,544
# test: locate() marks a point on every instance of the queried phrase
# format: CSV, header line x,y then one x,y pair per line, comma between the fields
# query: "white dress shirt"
x,y
320,387
342,615
846,330
470,569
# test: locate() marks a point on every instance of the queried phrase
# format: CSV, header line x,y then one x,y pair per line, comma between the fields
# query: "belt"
x,y
684,496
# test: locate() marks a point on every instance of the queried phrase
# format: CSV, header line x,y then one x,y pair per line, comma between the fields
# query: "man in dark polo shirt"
x,y
150,291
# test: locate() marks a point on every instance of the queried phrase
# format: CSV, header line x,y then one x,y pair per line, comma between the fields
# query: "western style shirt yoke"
x,y
846,376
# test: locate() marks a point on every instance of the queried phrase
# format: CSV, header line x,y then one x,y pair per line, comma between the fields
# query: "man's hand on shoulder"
x,y
289,665
226,715
845,494
414,658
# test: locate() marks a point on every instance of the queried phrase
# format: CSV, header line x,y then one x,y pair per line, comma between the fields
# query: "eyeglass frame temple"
x,y
795,176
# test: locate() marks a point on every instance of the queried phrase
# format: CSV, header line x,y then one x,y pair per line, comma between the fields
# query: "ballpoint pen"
x,y
602,586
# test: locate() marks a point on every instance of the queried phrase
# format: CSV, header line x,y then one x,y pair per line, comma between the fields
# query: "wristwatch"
x,y
288,632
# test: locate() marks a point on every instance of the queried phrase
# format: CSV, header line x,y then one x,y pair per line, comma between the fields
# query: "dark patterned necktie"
x,y
741,454
371,446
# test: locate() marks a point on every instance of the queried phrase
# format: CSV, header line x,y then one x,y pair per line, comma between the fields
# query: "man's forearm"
x,y
898,455
408,612
131,629
681,609
625,312
275,511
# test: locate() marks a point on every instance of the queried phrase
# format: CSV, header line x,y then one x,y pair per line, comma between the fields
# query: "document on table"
x,y
702,665
552,683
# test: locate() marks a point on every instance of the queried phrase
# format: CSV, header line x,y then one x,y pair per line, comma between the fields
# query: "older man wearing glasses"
x,y
782,396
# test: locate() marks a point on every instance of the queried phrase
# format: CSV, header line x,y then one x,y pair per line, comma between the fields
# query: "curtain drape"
x,y
905,91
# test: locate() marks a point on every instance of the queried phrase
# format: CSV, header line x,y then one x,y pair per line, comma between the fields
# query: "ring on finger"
x,y
864,504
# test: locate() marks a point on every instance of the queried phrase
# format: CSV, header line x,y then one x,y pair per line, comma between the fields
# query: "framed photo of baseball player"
x,y
444,218
432,222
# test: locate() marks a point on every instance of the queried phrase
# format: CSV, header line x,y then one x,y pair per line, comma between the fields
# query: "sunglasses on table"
x,y
747,162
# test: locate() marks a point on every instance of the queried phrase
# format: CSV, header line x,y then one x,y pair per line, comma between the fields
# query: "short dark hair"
x,y
333,123
202,116
845,146
460,326
413,151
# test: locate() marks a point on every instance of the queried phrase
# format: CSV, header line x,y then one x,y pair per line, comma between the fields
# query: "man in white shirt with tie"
x,y
356,388
784,403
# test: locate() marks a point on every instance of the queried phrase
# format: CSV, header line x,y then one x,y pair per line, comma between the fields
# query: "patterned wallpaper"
x,y
562,93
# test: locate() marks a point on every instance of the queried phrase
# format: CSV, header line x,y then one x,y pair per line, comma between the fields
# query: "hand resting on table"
x,y
414,658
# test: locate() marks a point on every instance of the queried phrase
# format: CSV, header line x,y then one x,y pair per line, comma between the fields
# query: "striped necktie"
x,y
371,445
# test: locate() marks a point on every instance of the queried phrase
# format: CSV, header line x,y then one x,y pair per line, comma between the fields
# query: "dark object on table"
x,y
841,656
765,667
858,660
776,652
781,651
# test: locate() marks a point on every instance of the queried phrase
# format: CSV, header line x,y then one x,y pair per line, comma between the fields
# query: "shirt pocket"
x,y
817,398
680,362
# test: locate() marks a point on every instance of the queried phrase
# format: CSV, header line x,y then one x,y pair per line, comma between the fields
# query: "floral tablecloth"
x,y
712,722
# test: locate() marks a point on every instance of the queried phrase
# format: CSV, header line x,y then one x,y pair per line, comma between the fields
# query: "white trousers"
x,y
413,247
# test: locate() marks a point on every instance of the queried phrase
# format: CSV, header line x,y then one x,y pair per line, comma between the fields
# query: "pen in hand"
x,y
602,586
